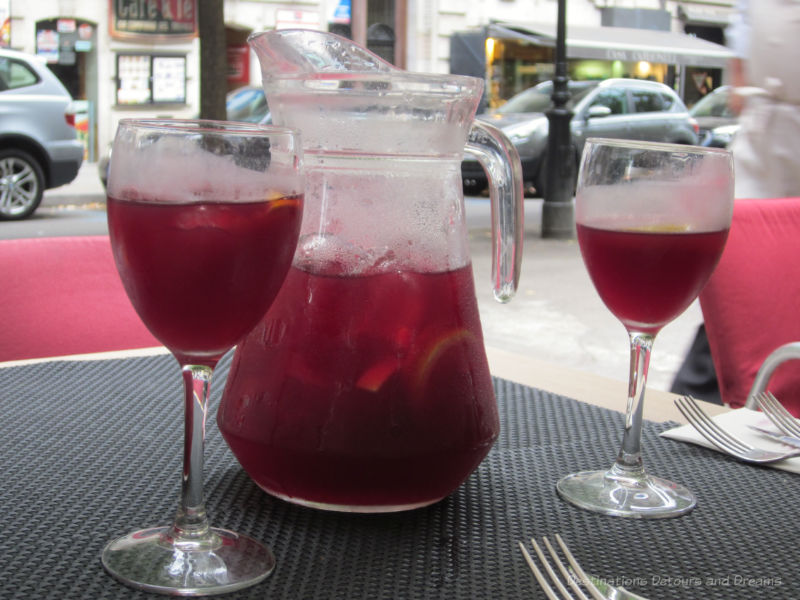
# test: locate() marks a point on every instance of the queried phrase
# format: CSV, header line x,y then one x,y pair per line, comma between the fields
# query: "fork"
x,y
777,413
574,576
724,440
571,579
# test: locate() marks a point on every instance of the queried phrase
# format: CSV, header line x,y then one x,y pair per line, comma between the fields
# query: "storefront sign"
x,y
340,12
165,20
238,65
292,19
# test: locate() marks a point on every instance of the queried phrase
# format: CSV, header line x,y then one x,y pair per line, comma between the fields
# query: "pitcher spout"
x,y
304,52
344,98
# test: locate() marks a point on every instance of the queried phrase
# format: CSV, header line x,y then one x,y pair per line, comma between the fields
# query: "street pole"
x,y
213,65
558,210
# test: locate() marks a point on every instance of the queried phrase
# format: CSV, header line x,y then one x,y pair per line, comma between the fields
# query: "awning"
x,y
621,43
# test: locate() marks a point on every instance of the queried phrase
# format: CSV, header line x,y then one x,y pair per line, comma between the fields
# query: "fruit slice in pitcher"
x,y
437,353
373,378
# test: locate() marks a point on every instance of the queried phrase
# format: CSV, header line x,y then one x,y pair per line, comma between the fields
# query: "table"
x,y
92,449
609,393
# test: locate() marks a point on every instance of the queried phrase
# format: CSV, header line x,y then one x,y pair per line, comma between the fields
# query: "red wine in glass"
x,y
203,218
199,274
647,277
652,220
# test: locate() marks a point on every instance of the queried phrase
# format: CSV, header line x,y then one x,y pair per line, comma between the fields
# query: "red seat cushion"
x,y
63,296
750,305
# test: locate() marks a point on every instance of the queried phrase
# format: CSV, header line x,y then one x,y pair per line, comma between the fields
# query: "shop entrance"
x,y
70,48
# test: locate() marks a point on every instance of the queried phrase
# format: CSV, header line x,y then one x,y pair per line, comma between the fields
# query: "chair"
x,y
62,296
751,304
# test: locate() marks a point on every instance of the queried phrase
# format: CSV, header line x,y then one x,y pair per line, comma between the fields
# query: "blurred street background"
x,y
191,58
556,315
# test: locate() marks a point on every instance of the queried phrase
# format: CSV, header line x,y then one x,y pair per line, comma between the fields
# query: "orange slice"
x,y
284,202
375,376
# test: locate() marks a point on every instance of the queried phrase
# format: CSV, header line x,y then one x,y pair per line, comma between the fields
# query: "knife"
x,y
778,437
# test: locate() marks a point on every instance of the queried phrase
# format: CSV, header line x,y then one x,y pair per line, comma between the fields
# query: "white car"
x,y
631,109
39,148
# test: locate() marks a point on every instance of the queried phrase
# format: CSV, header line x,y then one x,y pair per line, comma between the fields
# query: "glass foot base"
x,y
148,560
624,495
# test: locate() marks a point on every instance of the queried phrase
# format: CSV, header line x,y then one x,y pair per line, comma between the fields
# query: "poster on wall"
x,y
151,79
5,23
47,44
67,34
133,73
164,21
169,79
58,40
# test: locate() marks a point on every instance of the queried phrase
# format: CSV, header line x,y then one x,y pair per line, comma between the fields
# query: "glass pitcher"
x,y
366,387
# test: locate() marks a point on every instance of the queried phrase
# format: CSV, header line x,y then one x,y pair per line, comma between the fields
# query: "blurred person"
x,y
765,75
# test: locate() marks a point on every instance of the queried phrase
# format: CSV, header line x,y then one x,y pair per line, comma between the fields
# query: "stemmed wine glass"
x,y
204,218
652,220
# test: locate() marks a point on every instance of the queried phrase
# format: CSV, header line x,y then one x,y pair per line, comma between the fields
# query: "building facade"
x,y
141,58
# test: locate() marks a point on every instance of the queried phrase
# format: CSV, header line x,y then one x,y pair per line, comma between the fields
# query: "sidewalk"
x,y
85,189
556,315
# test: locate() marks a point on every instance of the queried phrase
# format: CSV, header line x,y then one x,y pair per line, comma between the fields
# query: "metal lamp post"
x,y
558,210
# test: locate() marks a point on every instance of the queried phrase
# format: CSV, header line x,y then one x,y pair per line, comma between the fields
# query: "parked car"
x,y
39,148
718,123
721,137
249,104
614,108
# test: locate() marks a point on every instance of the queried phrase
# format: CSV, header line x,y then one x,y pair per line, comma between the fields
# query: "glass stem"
x,y
629,458
191,523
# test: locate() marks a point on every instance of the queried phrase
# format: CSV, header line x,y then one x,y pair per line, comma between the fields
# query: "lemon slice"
x,y
662,228
436,351
376,375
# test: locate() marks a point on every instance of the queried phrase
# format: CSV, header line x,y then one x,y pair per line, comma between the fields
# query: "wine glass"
x,y
652,220
204,218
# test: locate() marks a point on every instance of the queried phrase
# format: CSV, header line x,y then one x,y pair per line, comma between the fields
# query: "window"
x,y
613,99
646,101
714,104
539,97
151,79
15,74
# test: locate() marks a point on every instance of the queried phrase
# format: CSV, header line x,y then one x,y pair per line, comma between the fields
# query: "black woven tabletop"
x,y
91,450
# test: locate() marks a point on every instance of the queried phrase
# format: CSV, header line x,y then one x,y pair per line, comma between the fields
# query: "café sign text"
x,y
163,19
652,56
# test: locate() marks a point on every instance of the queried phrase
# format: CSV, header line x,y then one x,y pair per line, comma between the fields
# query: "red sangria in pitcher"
x,y
366,387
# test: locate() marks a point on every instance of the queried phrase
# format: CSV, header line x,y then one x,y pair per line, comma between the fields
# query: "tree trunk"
x,y
213,59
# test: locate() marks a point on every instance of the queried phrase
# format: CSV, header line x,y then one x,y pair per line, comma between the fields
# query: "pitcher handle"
x,y
499,158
